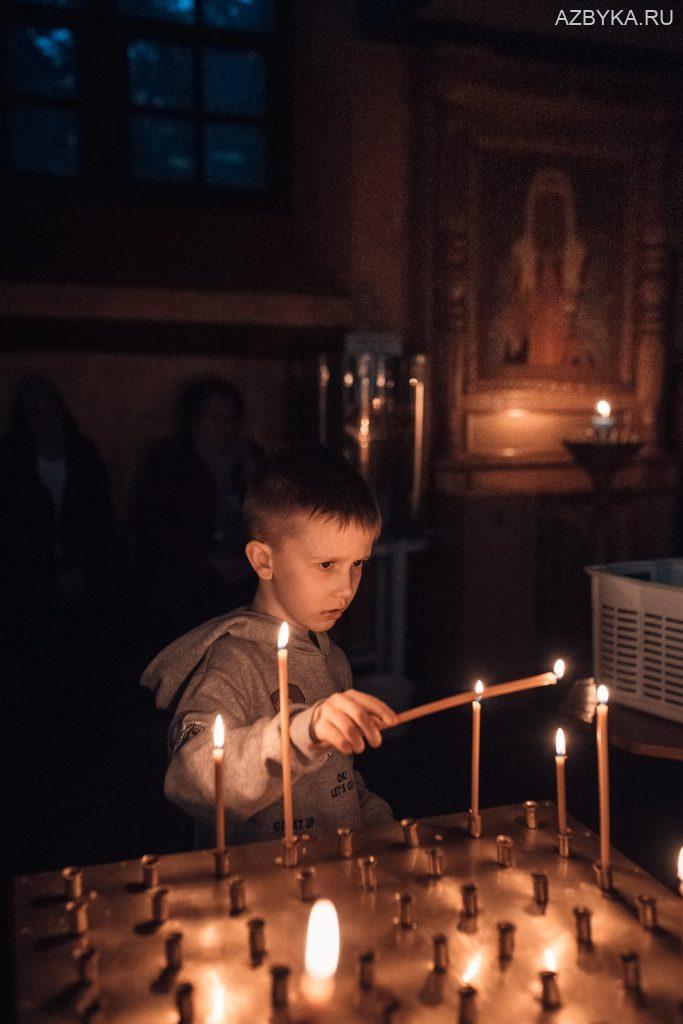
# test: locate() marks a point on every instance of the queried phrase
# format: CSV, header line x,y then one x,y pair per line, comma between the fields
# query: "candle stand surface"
x,y
214,977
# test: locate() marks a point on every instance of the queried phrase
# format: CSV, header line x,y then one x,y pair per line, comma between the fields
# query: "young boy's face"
x,y
316,568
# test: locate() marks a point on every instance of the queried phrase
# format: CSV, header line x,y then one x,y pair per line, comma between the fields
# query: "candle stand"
x,y
614,960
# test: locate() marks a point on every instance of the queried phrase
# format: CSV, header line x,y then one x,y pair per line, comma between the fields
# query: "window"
x,y
174,92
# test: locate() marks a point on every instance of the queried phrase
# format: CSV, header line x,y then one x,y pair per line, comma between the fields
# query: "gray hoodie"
x,y
229,665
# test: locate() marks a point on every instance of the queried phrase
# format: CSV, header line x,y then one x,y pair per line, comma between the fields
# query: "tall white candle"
x,y
603,775
476,734
560,760
283,684
218,750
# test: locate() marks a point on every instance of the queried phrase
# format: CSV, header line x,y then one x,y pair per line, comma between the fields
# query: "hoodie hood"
x,y
173,666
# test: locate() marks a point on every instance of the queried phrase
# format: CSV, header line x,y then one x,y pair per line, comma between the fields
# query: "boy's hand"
x,y
347,720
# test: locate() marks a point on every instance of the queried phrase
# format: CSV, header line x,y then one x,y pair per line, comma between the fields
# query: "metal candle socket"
x,y
221,863
410,832
368,873
184,997
506,940
344,843
78,916
550,993
306,879
647,912
441,957
474,825
470,905
280,978
150,870
238,899
73,882
564,843
531,814
467,1013
435,861
160,901
174,951
583,916
257,940
603,876
540,880
406,917
366,978
630,966
504,851
290,852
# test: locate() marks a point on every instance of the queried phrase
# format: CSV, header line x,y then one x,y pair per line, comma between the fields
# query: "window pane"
x,y
162,149
42,61
159,75
240,15
234,155
160,10
44,140
56,3
234,83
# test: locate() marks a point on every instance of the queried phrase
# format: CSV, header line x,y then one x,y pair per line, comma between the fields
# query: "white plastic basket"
x,y
638,634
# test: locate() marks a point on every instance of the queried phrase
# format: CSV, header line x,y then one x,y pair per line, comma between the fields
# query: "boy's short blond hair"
x,y
309,479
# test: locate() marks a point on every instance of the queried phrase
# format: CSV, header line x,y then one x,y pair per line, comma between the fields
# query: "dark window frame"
x,y
105,109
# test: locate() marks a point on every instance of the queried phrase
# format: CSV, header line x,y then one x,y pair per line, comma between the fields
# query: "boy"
x,y
312,521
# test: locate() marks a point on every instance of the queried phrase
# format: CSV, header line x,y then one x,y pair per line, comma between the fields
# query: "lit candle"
x,y
283,682
680,871
218,749
417,382
468,994
322,954
550,995
364,421
603,775
602,421
476,732
560,760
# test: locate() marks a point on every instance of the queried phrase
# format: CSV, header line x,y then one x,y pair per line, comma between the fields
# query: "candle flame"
x,y
364,426
603,408
472,969
348,379
560,745
558,668
550,960
603,694
322,940
217,1013
680,863
479,688
218,732
283,636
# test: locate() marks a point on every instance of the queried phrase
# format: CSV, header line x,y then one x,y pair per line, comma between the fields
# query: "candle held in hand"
x,y
603,775
560,762
218,749
476,734
283,684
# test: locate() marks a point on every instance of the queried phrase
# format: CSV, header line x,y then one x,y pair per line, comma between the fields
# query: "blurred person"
x,y
57,532
187,514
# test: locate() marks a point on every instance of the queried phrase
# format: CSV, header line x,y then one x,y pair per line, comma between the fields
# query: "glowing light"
x,y
348,380
472,969
283,636
680,863
559,668
603,408
478,687
560,745
515,414
413,382
217,1012
550,960
322,940
365,426
218,732
603,694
